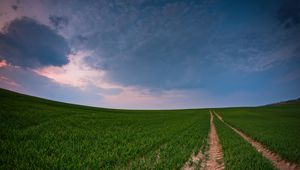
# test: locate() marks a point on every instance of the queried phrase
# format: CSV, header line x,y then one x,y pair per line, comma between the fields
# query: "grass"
x,y
237,153
42,134
178,148
277,127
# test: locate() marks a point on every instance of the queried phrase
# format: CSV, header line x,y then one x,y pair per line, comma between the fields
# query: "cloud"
x,y
3,63
289,13
136,41
14,7
27,43
156,54
77,73
255,59
8,83
254,48
58,21
179,44
291,76
139,98
28,82
139,41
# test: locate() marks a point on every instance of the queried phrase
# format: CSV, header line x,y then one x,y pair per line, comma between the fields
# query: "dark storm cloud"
x,y
171,44
289,13
220,48
14,7
27,43
139,41
58,21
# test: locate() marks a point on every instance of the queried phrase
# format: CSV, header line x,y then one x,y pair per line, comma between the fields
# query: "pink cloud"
x,y
138,98
8,83
3,63
79,74
76,73
33,9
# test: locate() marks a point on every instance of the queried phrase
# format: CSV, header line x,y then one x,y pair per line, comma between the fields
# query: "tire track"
x,y
274,158
215,159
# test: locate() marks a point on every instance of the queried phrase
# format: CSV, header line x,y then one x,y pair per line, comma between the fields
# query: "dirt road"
x,y
215,161
212,159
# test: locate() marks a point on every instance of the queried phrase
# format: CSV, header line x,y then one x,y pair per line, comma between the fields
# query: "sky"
x,y
152,54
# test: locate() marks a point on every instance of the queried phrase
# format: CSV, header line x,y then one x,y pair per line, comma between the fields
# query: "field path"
x,y
276,159
215,161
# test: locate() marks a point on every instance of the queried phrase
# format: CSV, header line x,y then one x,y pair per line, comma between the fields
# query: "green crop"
x,y
42,134
277,127
238,154
178,147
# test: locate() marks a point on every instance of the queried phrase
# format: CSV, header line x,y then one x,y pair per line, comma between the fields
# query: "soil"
x,y
194,161
215,161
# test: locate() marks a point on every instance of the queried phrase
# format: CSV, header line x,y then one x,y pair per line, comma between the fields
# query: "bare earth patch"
x,y
215,159
276,159
194,161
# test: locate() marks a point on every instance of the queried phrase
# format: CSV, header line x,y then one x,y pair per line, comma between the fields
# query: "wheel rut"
x,y
274,158
211,158
215,161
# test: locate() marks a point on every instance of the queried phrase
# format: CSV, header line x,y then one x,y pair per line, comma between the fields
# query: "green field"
x,y
239,154
43,134
277,127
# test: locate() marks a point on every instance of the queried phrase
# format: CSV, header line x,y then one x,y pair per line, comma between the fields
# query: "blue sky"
x,y
152,54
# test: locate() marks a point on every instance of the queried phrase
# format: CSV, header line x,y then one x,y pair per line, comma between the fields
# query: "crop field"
x,y
42,134
277,127
238,154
